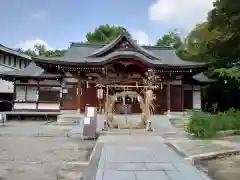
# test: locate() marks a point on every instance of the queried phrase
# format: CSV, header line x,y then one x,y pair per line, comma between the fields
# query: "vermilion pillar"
x,y
168,97
79,96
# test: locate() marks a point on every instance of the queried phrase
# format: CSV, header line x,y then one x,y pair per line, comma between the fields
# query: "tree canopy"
x,y
40,50
104,34
225,18
224,48
217,40
172,39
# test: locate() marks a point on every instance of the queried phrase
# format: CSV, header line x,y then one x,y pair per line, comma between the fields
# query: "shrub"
x,y
204,125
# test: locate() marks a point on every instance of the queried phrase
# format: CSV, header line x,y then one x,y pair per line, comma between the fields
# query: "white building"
x,y
10,60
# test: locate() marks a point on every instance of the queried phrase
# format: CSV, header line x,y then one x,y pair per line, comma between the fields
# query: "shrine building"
x,y
87,73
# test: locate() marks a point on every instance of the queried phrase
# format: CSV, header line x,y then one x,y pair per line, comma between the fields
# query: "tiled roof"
x,y
84,53
201,77
14,52
32,70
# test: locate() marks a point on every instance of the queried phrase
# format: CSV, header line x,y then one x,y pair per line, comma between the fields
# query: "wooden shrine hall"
x,y
87,73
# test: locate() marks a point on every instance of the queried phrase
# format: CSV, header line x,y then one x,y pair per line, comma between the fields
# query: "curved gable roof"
x,y
125,34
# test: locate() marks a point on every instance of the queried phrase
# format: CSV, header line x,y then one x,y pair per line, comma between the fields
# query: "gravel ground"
x,y
33,151
226,168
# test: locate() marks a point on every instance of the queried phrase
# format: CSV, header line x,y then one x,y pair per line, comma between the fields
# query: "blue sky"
x,y
58,22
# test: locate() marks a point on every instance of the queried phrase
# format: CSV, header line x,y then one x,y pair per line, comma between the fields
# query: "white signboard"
x,y
90,111
87,120
65,90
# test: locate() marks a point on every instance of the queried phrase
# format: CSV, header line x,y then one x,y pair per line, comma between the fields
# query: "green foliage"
x,y
29,52
198,39
104,34
232,73
217,40
172,38
204,125
40,50
225,18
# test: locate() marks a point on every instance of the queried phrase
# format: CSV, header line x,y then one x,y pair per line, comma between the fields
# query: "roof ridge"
x,y
80,44
86,44
158,47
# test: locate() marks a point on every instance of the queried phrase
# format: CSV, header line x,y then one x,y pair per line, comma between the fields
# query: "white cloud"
x,y
29,44
180,13
141,37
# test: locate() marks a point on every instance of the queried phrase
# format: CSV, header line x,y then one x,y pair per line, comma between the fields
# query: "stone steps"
x,y
179,123
69,118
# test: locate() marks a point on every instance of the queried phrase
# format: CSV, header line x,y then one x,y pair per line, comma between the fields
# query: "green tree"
x,y
172,38
29,52
40,50
225,18
104,34
198,39
196,43
224,48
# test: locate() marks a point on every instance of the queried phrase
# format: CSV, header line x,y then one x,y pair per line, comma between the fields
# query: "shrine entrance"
x,y
123,99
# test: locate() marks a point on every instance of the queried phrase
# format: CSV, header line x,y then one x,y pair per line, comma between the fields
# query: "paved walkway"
x,y
142,158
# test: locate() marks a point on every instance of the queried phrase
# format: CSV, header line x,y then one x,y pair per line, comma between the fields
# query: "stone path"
x,y
142,158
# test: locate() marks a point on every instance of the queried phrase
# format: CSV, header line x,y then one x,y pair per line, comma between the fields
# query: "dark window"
x,y
49,94
15,61
70,96
9,60
4,59
20,63
25,63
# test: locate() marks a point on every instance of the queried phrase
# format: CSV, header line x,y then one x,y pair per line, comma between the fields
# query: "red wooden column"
x,y
79,96
168,97
182,96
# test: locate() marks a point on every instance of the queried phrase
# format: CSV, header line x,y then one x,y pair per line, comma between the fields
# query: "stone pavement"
x,y
142,158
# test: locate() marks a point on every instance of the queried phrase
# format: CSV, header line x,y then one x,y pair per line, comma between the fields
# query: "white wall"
x,y
196,90
25,106
8,65
6,86
20,62
197,102
49,106
33,106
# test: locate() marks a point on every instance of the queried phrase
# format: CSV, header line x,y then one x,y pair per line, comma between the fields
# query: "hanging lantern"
x,y
100,93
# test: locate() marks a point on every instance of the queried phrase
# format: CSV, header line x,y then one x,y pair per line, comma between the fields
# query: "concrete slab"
x,y
153,175
160,167
139,158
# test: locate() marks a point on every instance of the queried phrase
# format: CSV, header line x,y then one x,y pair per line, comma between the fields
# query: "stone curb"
x,y
205,156
212,155
177,149
94,158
